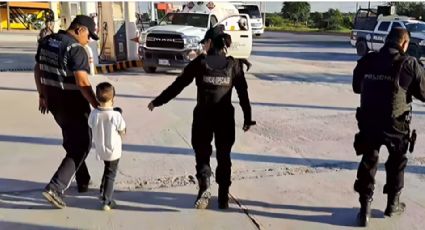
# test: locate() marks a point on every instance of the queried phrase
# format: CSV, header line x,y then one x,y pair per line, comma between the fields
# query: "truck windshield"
x,y
185,19
251,10
415,26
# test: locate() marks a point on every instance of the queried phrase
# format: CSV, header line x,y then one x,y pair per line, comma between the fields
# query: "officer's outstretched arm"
x,y
183,80
83,83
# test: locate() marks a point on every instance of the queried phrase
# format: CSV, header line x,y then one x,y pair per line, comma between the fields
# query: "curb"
x,y
110,68
22,69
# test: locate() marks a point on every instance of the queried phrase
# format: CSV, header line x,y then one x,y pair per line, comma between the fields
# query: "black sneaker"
x,y
54,198
83,188
223,197
223,205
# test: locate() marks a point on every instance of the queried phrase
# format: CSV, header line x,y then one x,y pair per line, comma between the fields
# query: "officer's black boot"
x,y
223,197
394,206
365,211
204,195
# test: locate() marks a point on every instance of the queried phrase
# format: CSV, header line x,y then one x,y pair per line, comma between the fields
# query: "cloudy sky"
x,y
320,6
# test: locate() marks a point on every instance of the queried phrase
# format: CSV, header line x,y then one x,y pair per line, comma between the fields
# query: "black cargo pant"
x,y
70,110
220,123
397,147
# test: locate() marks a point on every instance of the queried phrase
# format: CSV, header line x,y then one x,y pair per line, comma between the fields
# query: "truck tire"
x,y
414,51
361,47
149,69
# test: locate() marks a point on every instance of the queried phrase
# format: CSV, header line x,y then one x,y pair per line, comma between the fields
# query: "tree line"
x,y
299,14
411,9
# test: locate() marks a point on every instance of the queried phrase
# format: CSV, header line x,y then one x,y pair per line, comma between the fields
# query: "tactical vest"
x,y
383,100
53,61
215,85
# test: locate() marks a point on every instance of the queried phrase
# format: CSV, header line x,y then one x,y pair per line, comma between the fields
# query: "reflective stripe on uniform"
x,y
54,70
62,85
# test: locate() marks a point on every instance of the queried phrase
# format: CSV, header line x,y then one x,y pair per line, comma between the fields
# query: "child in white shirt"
x,y
108,127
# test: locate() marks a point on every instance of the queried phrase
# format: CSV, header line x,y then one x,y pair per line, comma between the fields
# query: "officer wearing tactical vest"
x,y
61,76
386,81
215,76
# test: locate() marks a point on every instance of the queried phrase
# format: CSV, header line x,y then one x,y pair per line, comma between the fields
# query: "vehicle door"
x,y
380,34
239,28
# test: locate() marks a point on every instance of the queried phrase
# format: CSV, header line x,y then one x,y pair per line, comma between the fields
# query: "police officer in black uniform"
x,y
386,81
61,76
215,75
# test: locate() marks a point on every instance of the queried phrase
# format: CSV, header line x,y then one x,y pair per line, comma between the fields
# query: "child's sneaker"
x,y
108,207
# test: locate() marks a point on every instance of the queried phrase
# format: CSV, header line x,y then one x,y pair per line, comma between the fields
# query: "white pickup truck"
x,y
371,30
174,42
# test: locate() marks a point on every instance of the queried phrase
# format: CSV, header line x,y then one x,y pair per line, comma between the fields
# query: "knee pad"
x,y
364,189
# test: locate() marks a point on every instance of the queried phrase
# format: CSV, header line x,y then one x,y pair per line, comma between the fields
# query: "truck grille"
x,y
257,25
173,41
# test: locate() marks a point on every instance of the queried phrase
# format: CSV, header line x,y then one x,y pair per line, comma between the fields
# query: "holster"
x,y
360,144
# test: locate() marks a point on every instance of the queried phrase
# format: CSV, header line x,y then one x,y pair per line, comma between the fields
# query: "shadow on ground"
x,y
249,157
158,201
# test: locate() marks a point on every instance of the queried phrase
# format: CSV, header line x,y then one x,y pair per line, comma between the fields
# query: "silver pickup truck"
x,y
174,41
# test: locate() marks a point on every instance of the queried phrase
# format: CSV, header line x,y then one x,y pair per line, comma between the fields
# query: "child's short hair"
x,y
105,92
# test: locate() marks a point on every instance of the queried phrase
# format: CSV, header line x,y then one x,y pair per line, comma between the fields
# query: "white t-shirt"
x,y
105,124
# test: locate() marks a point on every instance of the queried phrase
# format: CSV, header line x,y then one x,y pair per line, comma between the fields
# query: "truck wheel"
x,y
258,35
414,51
149,69
362,48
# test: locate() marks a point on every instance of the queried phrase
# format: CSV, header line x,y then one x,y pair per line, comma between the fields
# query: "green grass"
x,y
305,29
289,29
343,30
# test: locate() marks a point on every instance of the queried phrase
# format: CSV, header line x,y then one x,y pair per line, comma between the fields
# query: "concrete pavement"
x,y
155,185
294,170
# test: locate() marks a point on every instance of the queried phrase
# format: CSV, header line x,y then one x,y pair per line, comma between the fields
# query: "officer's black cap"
x,y
88,22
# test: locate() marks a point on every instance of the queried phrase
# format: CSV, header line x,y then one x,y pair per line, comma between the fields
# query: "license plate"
x,y
163,62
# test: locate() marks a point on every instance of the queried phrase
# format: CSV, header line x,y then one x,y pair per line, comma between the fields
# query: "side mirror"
x,y
153,23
